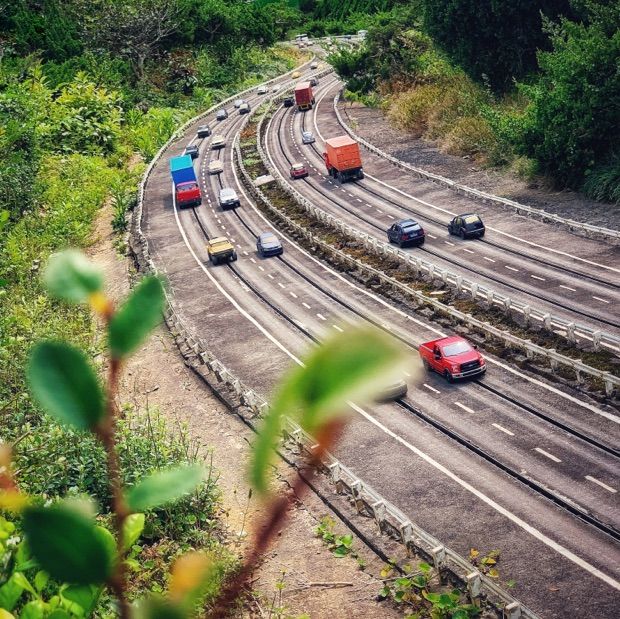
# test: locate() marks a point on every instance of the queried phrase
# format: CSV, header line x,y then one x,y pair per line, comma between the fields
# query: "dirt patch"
x,y
299,575
372,125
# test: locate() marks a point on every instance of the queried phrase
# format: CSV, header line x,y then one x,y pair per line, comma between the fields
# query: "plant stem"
x,y
107,434
276,515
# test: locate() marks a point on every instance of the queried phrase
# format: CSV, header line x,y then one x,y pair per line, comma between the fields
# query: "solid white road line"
x,y
502,429
547,454
601,484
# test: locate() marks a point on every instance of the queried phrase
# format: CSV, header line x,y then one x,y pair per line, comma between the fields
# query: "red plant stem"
x,y
107,434
276,516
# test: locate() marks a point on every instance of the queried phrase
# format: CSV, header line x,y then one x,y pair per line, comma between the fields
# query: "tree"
x,y
134,29
493,40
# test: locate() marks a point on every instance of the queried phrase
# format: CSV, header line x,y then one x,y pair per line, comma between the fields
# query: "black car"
x,y
406,232
467,226
288,102
314,81
204,131
268,245
192,151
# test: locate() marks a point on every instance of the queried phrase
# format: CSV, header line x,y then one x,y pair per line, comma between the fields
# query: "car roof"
x,y
451,339
227,190
408,222
297,165
306,133
469,215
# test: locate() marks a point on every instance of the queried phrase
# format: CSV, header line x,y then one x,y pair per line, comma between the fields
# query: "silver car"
x,y
239,103
307,137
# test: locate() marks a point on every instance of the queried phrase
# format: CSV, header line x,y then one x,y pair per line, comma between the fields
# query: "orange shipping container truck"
x,y
342,159
304,97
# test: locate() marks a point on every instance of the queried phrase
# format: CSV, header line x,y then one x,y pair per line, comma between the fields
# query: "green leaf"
x,y
40,580
59,613
10,592
23,582
357,364
85,596
69,275
164,487
65,385
67,544
33,610
132,529
424,567
346,541
138,316
155,607
340,551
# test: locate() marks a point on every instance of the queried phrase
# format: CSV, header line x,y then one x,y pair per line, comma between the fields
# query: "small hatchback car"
x,y
215,166
406,232
467,226
228,198
218,141
244,108
288,102
262,90
238,103
204,131
298,170
307,137
192,151
268,244
221,115
314,81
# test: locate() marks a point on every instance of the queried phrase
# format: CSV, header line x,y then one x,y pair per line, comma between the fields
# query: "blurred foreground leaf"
x,y
65,385
138,316
67,544
164,487
69,275
357,364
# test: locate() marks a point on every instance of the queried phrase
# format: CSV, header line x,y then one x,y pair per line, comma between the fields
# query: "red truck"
x,y
304,97
342,159
186,188
452,357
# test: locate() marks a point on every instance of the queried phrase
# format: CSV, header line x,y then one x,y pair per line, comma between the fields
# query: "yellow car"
x,y
221,249
296,74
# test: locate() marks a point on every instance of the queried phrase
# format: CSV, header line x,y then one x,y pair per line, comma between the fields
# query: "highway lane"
x,y
373,214
206,311
314,323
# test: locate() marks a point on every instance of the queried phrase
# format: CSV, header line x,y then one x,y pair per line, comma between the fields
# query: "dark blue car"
x,y
268,245
406,232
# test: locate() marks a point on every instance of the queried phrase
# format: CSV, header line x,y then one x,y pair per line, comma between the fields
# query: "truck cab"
x,y
220,249
452,357
188,194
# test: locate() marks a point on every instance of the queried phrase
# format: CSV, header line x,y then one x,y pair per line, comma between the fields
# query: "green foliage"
x,y
67,544
65,385
571,125
164,487
71,276
137,317
356,364
495,42
340,545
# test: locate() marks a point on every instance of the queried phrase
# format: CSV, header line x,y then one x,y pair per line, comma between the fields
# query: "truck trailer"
x,y
342,159
186,188
304,97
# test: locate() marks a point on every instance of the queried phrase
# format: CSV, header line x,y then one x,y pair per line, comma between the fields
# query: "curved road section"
x,y
511,463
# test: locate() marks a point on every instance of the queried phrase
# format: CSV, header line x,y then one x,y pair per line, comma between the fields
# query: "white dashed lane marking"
x,y
599,299
568,288
251,259
281,285
511,268
547,454
261,268
448,243
293,294
465,408
270,276
487,258
469,251
432,388
601,484
542,279
430,236
305,305
502,429
321,317
338,328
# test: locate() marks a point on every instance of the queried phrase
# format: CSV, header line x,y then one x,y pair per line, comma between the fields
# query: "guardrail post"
x,y
596,340
609,385
570,332
546,320
406,531
459,283
356,490
439,560
378,511
474,583
527,310
512,611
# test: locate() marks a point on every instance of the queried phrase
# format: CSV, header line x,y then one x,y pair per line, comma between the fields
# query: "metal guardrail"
x,y
579,227
367,500
556,360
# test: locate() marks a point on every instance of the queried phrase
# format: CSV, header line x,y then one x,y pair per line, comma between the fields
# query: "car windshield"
x,y
218,244
268,239
307,134
189,186
298,166
472,221
458,348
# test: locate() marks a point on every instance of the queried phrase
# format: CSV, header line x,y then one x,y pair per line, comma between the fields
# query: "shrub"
x,y
470,135
603,182
412,109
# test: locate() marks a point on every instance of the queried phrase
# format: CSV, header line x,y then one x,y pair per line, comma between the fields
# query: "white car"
x,y
239,103
215,166
262,90
307,137
218,141
314,65
275,88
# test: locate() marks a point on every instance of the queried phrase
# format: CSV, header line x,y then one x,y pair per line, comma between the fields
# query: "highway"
x,y
509,462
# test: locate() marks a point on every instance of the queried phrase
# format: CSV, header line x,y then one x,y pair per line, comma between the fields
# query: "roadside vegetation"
x,y
535,89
